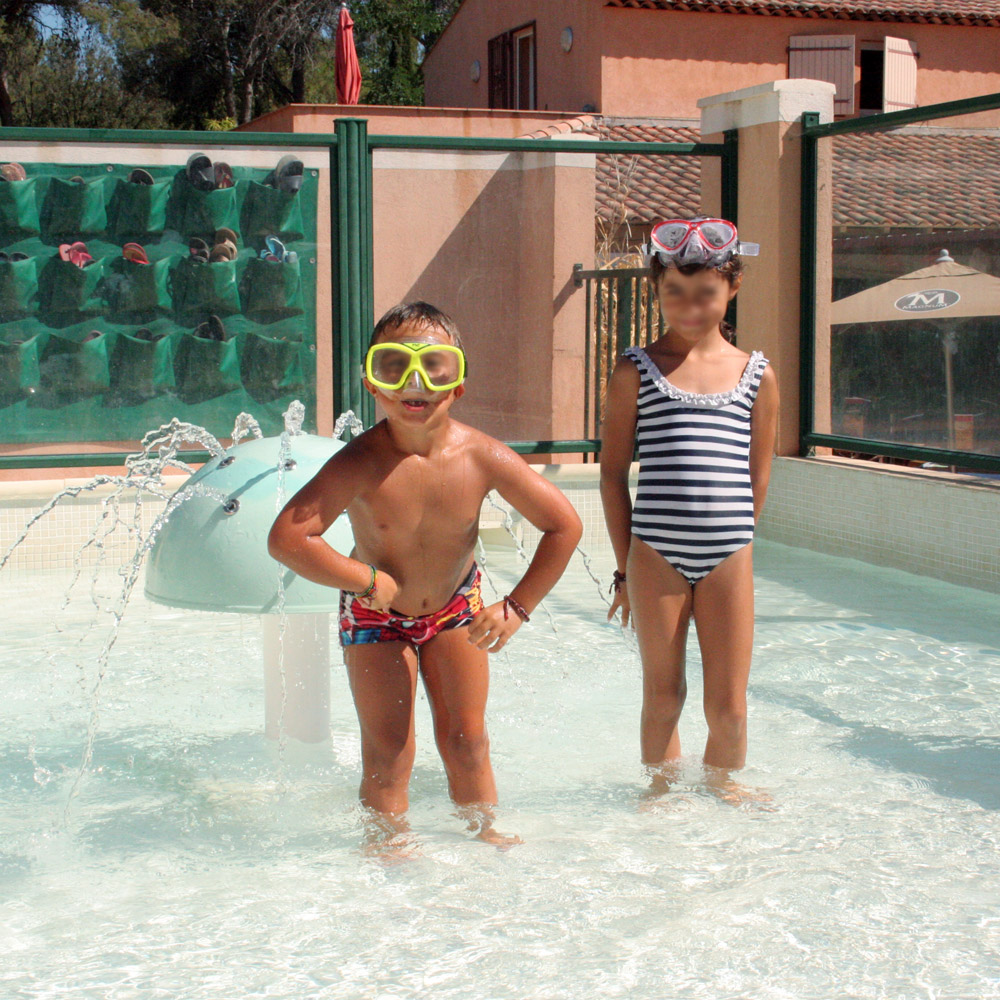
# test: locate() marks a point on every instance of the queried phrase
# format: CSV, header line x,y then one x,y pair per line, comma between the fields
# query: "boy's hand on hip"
x,y
384,594
490,630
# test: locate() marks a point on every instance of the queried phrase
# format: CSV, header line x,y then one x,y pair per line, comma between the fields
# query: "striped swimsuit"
x,y
695,502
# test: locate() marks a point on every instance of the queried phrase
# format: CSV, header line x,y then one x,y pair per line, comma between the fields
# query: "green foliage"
x,y
391,39
200,63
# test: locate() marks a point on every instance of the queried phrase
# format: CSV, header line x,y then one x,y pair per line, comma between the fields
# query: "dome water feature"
x,y
212,556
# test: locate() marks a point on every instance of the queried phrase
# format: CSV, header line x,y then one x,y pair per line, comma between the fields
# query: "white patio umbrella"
x,y
945,290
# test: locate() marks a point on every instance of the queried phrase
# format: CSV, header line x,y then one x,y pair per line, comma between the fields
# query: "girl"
x,y
705,414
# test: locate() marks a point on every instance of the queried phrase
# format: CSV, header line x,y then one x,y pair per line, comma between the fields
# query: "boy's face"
x,y
414,403
694,304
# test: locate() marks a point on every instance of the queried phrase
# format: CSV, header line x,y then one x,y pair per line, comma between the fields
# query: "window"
x,y
872,89
888,70
825,57
512,69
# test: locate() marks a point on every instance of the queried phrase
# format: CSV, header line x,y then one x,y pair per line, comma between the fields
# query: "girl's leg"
x,y
723,615
383,678
660,599
457,679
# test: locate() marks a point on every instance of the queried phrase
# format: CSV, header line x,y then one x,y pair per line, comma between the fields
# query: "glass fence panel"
x,y
913,342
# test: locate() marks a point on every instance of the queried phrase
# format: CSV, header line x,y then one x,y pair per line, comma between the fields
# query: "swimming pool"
x,y
202,861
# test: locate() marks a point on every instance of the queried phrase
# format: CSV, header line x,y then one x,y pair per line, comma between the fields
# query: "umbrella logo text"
x,y
928,300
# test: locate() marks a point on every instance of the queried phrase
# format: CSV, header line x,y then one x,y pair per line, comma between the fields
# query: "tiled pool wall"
x,y
926,523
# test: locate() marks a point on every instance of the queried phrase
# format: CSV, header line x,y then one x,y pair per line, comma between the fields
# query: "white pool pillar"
x,y
301,654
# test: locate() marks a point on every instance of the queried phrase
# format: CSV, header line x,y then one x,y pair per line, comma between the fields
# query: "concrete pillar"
x,y
768,119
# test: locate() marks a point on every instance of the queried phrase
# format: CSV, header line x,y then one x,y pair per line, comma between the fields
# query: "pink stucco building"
x,y
656,58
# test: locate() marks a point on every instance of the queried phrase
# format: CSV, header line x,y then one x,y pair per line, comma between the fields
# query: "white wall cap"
x,y
775,101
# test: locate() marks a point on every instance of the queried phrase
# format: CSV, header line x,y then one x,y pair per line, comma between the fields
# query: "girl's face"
x,y
694,305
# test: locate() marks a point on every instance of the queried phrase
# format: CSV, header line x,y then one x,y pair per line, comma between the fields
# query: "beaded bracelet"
x,y
616,584
371,588
509,602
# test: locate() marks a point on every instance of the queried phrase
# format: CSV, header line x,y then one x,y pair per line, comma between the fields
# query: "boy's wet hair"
x,y
418,314
730,270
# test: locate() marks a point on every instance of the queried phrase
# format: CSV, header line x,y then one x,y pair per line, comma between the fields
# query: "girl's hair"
x,y
731,270
419,314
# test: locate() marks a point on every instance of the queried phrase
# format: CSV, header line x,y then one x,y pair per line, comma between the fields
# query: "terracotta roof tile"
x,y
917,177
979,13
641,188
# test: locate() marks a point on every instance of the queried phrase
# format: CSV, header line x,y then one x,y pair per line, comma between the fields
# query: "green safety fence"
x,y
812,132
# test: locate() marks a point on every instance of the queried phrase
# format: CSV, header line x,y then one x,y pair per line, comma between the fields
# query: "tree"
x,y
22,28
392,39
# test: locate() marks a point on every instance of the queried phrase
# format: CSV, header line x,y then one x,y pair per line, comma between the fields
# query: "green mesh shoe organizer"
x,y
18,289
200,213
199,290
270,291
138,211
67,293
19,374
73,211
19,209
268,211
72,365
140,369
270,368
134,292
105,352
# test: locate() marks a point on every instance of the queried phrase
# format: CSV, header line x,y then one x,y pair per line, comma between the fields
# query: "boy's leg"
x,y
457,678
660,599
723,614
383,678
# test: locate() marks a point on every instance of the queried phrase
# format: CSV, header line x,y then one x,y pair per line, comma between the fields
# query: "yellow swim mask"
x,y
390,365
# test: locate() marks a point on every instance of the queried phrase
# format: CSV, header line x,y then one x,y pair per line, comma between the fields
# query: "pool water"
x,y
200,860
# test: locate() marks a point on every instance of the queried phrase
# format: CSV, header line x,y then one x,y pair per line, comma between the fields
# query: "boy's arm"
x,y
763,429
296,538
545,506
617,449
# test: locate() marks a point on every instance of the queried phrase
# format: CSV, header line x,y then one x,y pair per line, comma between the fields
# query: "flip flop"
x,y
223,175
146,334
198,249
134,252
275,246
221,235
140,176
200,173
211,329
219,253
288,174
64,249
13,172
77,179
77,254
17,255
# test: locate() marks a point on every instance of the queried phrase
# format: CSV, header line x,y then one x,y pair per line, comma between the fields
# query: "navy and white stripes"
x,y
695,502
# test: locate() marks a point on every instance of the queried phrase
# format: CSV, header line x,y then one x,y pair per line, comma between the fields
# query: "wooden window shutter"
x,y
899,87
501,70
825,57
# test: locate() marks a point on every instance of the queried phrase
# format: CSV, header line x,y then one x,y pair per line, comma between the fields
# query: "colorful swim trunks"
x,y
359,624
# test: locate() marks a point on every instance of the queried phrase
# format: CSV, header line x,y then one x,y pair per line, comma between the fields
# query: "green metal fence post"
x,y
730,194
807,280
351,191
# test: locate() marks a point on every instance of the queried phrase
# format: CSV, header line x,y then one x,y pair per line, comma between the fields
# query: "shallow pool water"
x,y
200,860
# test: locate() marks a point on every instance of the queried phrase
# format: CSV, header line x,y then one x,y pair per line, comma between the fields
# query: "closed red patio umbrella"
x,y
348,68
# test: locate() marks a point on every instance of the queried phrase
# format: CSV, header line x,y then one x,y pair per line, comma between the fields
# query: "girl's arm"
x,y
763,428
617,448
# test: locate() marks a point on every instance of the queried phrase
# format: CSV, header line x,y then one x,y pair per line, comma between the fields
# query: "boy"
x,y
413,486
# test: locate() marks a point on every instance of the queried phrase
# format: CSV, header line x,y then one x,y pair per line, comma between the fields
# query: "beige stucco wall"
x,y
492,239
566,80
393,120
